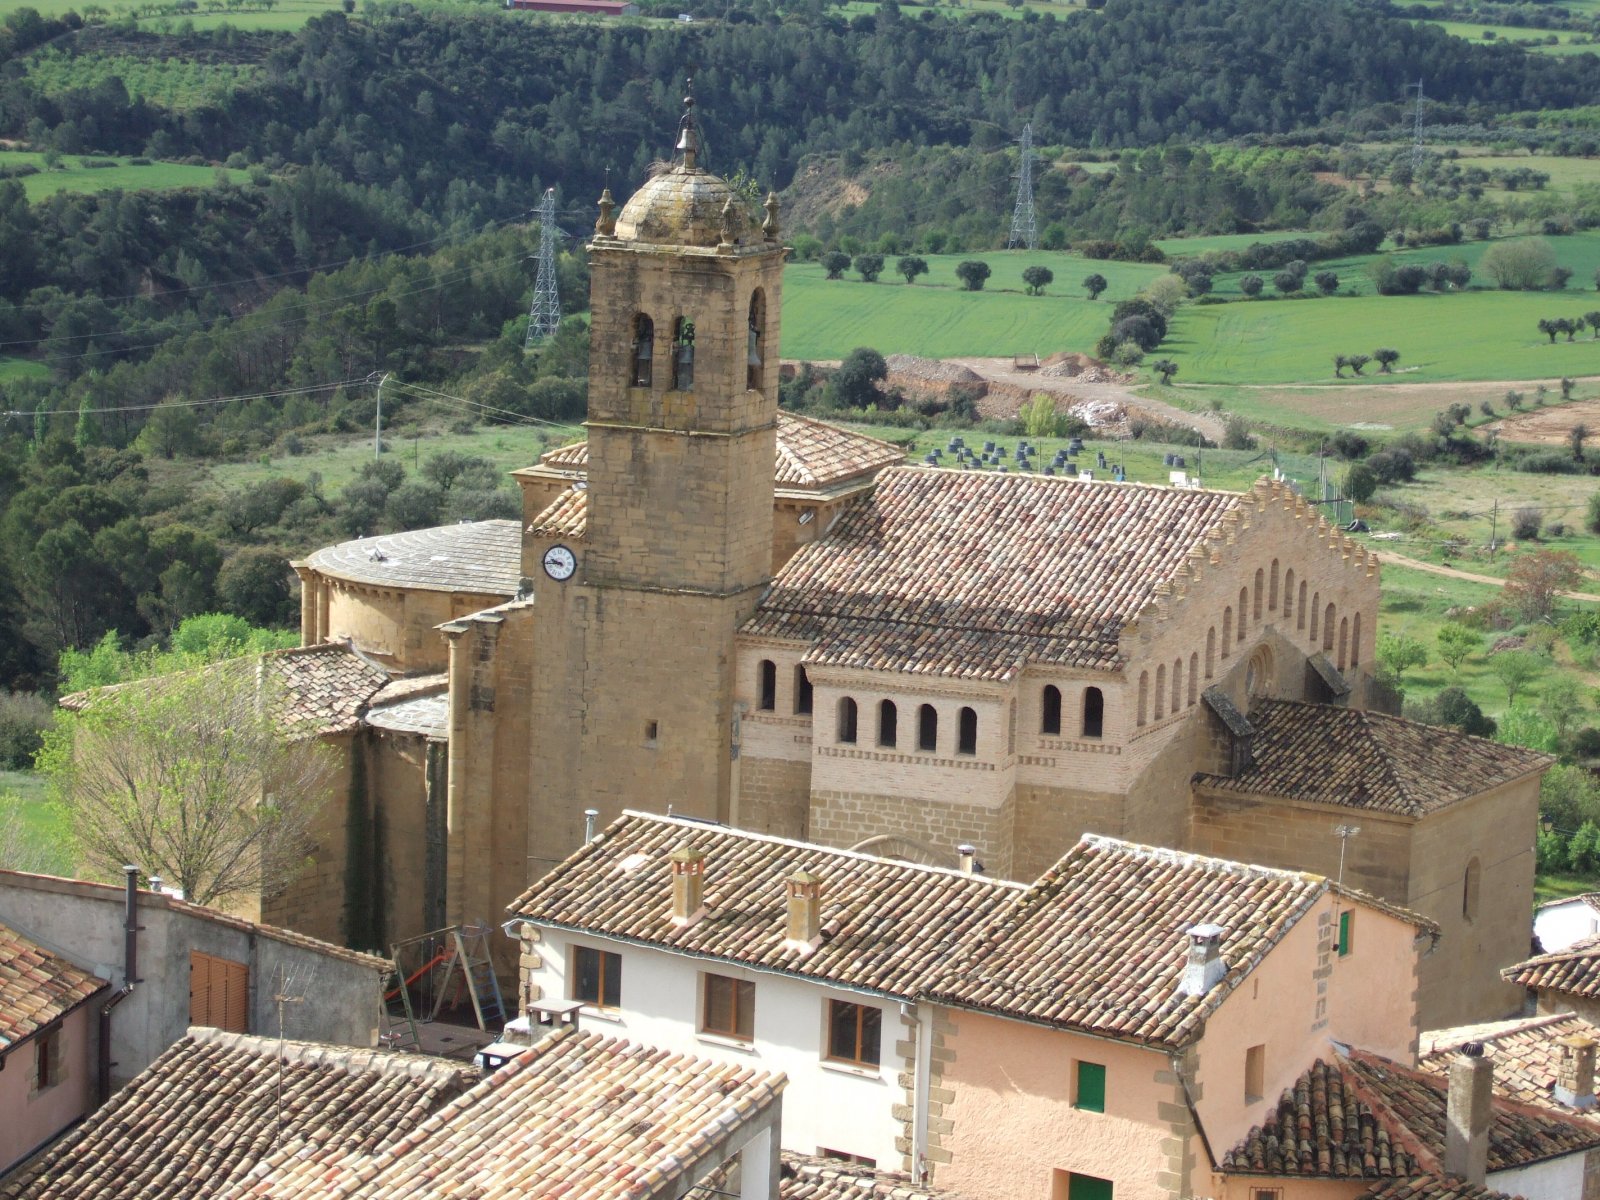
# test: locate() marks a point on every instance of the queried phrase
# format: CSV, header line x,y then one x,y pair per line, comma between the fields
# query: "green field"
x,y
40,826
824,319
169,82
1512,33
1565,171
22,368
1185,247
72,176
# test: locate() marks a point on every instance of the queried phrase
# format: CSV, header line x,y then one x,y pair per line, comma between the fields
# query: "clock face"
x,y
559,562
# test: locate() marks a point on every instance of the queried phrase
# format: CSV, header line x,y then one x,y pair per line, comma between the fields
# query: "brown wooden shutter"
x,y
219,993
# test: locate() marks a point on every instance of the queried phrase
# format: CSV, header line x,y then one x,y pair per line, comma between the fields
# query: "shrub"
x,y
1394,465
1519,265
1236,434
1525,523
1360,483
1549,462
972,273
24,717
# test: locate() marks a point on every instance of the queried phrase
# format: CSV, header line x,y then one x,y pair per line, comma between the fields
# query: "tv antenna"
x,y
291,990
1024,231
545,318
1344,833
1416,130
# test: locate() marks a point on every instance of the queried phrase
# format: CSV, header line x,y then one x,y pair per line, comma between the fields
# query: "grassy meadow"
x,y
12,369
72,176
169,82
1535,40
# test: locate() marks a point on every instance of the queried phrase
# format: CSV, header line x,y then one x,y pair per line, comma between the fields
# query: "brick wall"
x,y
848,818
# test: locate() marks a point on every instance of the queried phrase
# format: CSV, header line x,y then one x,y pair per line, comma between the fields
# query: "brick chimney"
x,y
1204,968
1575,1074
688,884
805,910
1466,1144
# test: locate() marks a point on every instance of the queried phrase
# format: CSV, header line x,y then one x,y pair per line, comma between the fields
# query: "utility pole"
x,y
1023,229
377,427
1494,526
545,318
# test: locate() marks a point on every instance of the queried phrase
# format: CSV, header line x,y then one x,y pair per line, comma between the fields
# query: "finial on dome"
x,y
688,139
769,227
606,226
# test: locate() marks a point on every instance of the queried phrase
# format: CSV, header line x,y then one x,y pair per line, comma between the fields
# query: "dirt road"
x,y
1400,560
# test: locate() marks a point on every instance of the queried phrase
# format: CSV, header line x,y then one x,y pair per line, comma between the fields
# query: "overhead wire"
x,y
123,408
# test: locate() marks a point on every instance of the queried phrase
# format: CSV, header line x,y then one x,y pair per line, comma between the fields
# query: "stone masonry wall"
x,y
848,818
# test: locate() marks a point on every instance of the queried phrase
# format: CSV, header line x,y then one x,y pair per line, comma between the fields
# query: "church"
x,y
723,611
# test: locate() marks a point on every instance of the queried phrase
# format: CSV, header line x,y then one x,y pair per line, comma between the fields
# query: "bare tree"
x,y
194,777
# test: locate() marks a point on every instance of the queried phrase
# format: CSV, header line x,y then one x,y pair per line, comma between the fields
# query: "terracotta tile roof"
x,y
1366,1116
477,557
1322,1127
36,987
1575,970
972,575
322,689
1099,942
577,1115
197,1120
1525,1053
807,1178
811,454
886,926
567,516
1430,1187
1361,759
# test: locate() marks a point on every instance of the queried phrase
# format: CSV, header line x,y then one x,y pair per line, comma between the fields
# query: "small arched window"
x,y
769,685
683,355
1469,890
802,690
644,350
1161,691
1094,712
1272,587
1344,641
1194,676
754,371
1050,718
1288,593
1355,640
847,720
1327,627
1211,651
967,732
888,723
928,728
1144,695
1227,631
1255,611
1316,603
1244,608
1300,613
1177,685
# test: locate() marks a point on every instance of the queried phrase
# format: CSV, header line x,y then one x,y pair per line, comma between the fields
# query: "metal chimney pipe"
x,y
590,816
130,927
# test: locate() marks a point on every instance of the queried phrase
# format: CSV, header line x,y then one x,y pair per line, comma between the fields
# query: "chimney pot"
x,y
968,855
1467,1112
805,910
688,884
1575,1074
1204,968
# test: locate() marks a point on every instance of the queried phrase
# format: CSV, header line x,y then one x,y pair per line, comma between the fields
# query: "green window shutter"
x,y
1344,932
1091,1090
1088,1187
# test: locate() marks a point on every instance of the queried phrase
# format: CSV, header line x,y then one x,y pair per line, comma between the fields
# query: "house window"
x,y
728,1008
928,728
1050,719
1266,1194
683,355
854,1033
769,685
1347,920
1094,712
847,720
1089,1086
48,1068
219,993
1255,1073
1069,1185
802,691
644,339
596,977
967,732
888,722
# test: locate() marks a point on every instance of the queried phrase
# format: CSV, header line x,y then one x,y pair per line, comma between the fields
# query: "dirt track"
x,y
1400,560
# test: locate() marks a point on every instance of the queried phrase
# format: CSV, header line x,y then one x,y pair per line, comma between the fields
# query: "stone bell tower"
x,y
634,663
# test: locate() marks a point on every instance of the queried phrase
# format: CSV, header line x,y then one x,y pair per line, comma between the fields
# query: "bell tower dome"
x,y
634,644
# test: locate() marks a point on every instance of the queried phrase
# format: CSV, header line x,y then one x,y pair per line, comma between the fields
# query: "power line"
x,y
126,408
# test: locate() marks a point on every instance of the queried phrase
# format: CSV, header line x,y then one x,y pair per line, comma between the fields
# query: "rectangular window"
x,y
802,691
1089,1087
1266,1194
1255,1073
596,977
219,993
47,1060
1069,1185
1346,932
854,1033
729,1007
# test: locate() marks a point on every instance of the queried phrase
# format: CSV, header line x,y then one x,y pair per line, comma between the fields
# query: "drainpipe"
x,y
130,974
921,1069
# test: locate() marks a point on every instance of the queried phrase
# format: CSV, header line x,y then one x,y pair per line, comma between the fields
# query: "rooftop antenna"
x,y
1024,232
545,318
1416,130
283,997
1344,833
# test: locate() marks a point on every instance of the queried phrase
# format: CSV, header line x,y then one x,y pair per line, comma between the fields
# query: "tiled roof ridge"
x,y
1444,1044
357,1060
752,835
1399,1130
1585,948
1168,854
